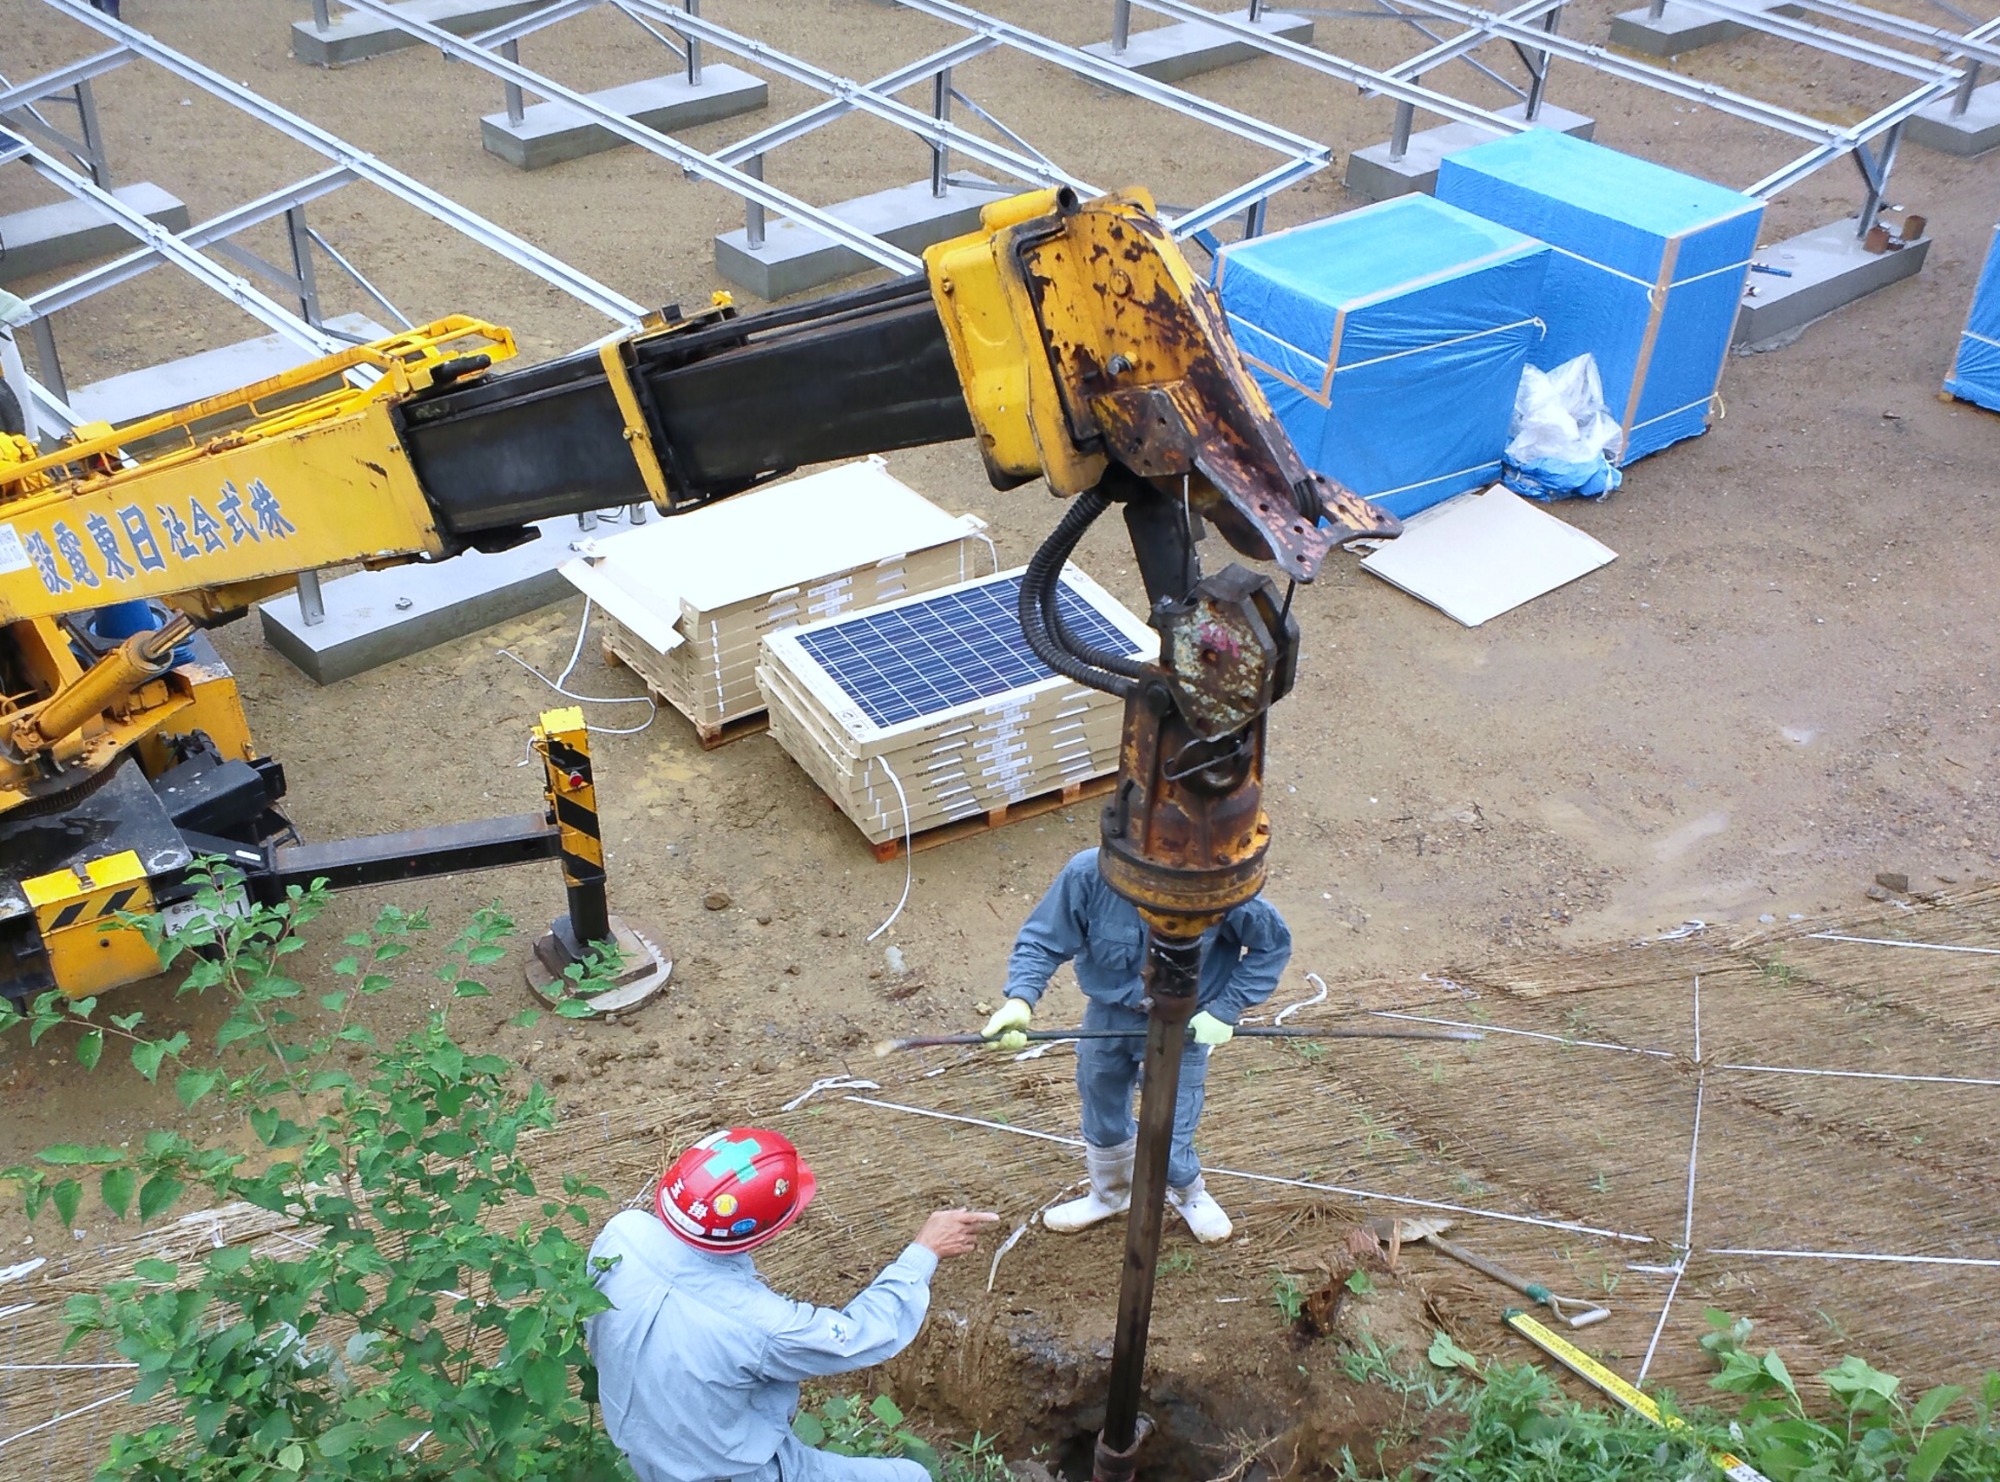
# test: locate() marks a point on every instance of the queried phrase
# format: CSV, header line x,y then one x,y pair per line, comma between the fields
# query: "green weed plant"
x,y
423,1318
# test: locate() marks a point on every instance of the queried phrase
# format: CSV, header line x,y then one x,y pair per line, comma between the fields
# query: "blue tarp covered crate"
x,y
1975,372
1390,341
1648,271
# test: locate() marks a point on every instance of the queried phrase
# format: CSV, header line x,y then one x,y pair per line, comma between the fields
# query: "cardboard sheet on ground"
x,y
1479,555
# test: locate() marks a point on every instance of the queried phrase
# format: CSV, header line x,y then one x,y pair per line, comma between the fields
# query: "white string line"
x,y
1855,1255
1834,936
1593,1044
909,853
1554,1039
1271,1178
37,1368
66,1415
556,684
1687,1226
1867,1075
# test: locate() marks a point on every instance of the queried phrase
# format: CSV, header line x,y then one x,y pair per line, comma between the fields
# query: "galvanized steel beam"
x,y
1834,43
1123,79
927,127
171,248
120,270
1368,79
470,224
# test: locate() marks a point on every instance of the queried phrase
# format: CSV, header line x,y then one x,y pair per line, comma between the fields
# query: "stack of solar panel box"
x,y
687,601
933,709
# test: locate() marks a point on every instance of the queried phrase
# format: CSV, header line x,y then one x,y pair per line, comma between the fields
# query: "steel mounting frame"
x,y
739,167
1531,30
193,250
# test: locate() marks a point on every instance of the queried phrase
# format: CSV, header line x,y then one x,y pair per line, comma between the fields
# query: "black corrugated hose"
x,y
1041,613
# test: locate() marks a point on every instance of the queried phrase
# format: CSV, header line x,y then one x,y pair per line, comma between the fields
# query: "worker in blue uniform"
x,y
698,1362
1083,921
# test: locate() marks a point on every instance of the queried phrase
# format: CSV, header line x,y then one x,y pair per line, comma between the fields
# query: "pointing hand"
x,y
953,1232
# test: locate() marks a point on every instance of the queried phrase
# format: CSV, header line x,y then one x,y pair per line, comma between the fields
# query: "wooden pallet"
x,y
965,828
708,733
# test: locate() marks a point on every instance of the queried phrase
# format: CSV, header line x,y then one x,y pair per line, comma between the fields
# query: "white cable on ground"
x,y
909,854
1304,1003
991,550
830,1083
576,653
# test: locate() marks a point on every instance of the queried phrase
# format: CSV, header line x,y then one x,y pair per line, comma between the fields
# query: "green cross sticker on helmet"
x,y
739,1158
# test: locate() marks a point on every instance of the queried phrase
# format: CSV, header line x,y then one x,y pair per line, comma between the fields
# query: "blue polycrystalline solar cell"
x,y
951,649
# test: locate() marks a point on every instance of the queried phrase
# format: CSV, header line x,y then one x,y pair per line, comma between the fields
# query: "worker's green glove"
x,y
1209,1030
1005,1028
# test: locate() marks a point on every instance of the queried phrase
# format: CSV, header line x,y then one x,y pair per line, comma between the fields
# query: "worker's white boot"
x,y
1203,1215
1110,1190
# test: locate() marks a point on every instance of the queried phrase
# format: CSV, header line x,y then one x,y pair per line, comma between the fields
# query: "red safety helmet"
x,y
734,1190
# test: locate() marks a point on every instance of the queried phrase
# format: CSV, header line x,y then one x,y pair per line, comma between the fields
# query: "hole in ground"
x,y
1186,1445
1257,1405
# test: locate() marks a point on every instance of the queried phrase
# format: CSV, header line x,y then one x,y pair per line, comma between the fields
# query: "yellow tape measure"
x,y
1630,1396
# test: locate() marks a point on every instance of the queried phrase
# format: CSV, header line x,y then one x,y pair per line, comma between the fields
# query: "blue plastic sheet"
x,y
1390,341
1552,479
1647,273
1975,373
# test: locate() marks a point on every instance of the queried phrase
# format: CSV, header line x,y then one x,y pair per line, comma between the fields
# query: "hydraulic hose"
x,y
1041,611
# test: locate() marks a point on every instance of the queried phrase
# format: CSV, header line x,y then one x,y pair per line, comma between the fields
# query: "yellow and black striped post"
x,y
564,744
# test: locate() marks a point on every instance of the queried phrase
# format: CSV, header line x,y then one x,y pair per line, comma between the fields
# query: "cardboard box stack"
x,y
686,601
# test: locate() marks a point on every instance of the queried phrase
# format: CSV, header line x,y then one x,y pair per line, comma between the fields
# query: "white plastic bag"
x,y
1561,441
1560,415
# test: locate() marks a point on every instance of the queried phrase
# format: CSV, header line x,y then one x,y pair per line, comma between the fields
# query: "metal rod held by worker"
x,y
1254,1031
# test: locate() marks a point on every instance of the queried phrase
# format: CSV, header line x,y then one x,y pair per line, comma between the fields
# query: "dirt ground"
x,y
1778,689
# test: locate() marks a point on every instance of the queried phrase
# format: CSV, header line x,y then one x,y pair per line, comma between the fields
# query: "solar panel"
x,y
919,658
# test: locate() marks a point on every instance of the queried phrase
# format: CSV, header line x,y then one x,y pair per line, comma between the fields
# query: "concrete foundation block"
x,y
795,258
1973,132
1372,174
1829,268
142,393
1685,27
64,233
552,132
376,617
1169,53
355,36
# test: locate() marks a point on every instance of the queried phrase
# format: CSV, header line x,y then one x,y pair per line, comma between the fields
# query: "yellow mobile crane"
x,y
1071,338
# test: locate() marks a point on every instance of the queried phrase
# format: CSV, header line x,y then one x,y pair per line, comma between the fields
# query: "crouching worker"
x,y
1084,921
698,1362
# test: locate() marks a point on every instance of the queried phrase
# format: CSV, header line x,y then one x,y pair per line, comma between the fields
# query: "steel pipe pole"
x,y
1172,976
